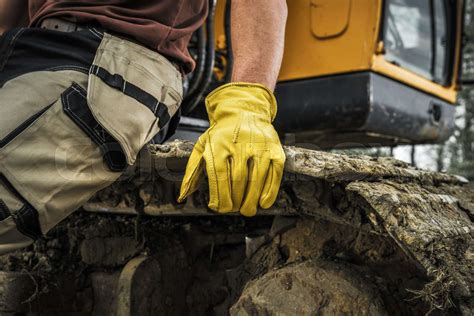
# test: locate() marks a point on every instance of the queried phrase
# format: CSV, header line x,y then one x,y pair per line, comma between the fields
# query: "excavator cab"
x,y
355,72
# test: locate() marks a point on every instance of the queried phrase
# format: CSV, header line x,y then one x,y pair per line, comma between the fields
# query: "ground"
x,y
316,266
347,235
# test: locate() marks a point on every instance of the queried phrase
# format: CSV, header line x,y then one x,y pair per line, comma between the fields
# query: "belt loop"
x,y
60,25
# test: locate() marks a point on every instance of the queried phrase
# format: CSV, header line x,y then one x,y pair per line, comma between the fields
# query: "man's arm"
x,y
13,13
241,151
258,33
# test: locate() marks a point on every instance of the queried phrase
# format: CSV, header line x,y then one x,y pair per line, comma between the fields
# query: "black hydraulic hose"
x,y
200,61
228,41
194,99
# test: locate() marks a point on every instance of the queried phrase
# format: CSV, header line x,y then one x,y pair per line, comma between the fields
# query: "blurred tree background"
x,y
460,148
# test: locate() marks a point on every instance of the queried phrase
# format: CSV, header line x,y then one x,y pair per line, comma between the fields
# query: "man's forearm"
x,y
13,13
258,32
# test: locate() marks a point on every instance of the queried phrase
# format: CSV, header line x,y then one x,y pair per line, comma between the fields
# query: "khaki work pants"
x,y
75,109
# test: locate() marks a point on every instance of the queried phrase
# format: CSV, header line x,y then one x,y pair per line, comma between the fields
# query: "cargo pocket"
x,y
133,92
55,160
59,157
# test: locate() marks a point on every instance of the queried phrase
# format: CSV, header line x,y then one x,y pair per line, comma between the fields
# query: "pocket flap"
x,y
130,101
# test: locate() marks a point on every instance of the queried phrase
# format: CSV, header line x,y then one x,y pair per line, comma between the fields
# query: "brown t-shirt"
x,y
163,25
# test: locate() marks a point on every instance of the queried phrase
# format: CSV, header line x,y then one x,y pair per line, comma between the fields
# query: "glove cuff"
x,y
249,96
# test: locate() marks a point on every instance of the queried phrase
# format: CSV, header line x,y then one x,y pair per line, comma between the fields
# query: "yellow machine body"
x,y
327,37
335,38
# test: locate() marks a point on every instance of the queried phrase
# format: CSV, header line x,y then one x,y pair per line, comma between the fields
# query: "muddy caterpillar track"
x,y
357,235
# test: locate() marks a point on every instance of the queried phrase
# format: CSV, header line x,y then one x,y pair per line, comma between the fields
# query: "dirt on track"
x,y
394,239
314,267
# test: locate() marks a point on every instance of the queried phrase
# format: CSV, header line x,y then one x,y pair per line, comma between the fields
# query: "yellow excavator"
x,y
355,72
347,235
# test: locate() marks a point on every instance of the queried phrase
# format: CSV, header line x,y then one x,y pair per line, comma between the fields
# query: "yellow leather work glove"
x,y
240,151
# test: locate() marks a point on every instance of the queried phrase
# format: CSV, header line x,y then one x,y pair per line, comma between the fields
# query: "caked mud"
x,y
348,235
314,266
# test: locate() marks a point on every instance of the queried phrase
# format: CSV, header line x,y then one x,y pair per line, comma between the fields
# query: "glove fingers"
x,y
239,173
272,184
194,172
258,168
218,174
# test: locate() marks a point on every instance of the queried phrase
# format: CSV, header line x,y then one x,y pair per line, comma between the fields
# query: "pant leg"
x,y
66,133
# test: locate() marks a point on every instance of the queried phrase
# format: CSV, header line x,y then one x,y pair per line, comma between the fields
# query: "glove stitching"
x,y
237,129
189,181
270,181
215,184
257,126
251,131
229,178
261,131
260,194
251,168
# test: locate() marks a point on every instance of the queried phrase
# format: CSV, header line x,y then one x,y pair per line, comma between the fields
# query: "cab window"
x,y
416,37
